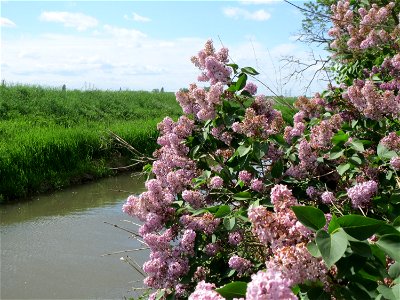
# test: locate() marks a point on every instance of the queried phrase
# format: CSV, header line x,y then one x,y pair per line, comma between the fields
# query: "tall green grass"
x,y
51,138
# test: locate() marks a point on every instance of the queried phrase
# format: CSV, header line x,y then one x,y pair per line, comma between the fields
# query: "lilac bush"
x,y
244,205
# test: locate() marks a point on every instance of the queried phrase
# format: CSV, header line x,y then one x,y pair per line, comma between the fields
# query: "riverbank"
x,y
51,138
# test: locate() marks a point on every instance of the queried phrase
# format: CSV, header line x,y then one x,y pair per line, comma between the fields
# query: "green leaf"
x,y
160,294
357,145
313,249
361,248
243,150
395,199
333,224
222,211
234,67
241,82
229,223
310,216
242,196
358,226
384,152
341,169
332,246
277,169
336,155
355,159
236,289
249,70
340,137
387,292
390,243
394,270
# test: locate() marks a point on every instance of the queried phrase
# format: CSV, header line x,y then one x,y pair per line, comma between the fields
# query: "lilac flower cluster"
x,y
174,172
309,108
361,194
167,264
260,120
368,33
282,227
391,141
269,284
367,99
395,163
200,102
206,223
240,264
328,197
251,88
205,291
235,238
195,198
297,265
212,64
245,176
216,182
221,134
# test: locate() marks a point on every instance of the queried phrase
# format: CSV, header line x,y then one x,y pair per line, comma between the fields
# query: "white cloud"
x,y
76,20
236,12
137,18
4,22
121,32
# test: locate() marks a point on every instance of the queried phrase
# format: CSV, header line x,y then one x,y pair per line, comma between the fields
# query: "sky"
x,y
146,45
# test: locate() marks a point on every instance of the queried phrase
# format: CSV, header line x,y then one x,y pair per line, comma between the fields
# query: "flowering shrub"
x,y
244,205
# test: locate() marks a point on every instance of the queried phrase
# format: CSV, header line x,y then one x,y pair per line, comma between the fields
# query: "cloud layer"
x,y
78,21
4,22
237,13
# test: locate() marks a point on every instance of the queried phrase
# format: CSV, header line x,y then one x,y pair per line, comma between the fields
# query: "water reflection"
x,y
75,200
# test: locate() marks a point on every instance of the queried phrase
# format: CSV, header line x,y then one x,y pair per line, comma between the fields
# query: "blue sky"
x,y
143,45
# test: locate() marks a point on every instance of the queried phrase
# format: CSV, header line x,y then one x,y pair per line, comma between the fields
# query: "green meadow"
x,y
51,138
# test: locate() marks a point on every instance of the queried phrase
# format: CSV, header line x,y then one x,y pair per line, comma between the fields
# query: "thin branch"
x,y
124,251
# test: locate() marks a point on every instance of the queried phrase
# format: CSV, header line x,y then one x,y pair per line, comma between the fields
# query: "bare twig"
x,y
125,251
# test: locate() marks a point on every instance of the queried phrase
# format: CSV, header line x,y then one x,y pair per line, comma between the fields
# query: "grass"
x,y
50,138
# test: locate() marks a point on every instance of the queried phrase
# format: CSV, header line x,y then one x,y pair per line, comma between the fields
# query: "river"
x,y
52,245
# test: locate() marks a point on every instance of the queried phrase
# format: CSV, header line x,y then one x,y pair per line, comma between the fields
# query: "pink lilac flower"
x,y
245,176
206,223
312,192
235,238
395,163
308,159
186,244
240,264
194,198
236,127
257,185
212,249
269,284
205,291
298,265
391,141
216,182
328,197
200,274
282,198
361,194
251,88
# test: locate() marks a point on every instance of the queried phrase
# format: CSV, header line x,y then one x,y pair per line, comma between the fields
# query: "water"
x,y
52,246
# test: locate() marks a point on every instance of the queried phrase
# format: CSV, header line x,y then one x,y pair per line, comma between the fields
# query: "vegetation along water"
x,y
53,137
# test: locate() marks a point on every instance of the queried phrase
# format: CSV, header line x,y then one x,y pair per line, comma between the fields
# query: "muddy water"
x,y
52,246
